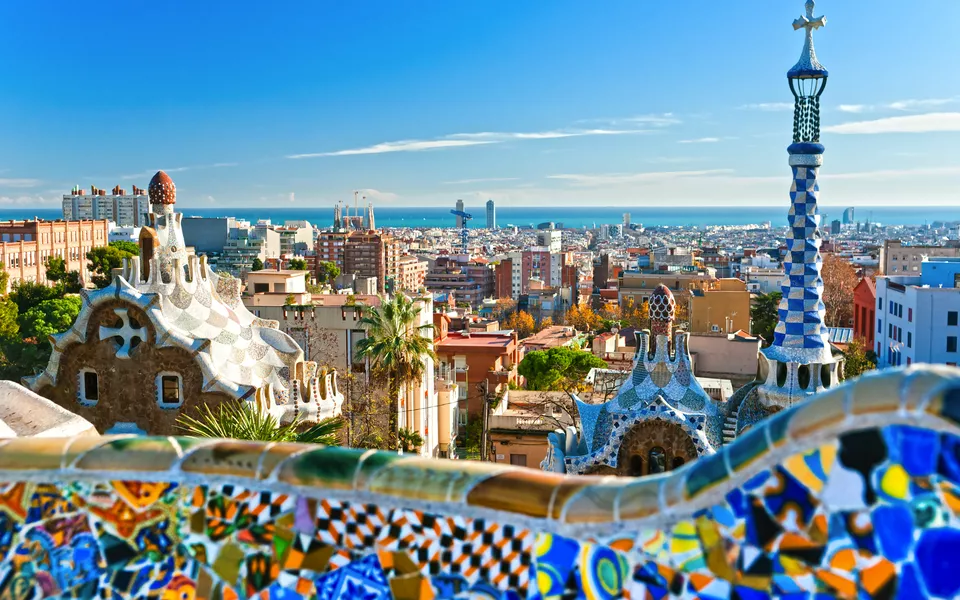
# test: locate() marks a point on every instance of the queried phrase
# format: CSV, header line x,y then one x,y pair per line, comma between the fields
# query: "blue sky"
x,y
628,102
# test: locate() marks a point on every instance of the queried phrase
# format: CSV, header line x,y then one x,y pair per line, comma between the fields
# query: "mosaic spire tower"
x,y
799,362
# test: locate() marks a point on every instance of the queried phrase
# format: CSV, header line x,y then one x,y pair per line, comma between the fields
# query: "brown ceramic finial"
x,y
662,311
162,190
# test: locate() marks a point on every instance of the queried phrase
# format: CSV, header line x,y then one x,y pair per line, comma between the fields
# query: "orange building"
x,y
25,247
474,357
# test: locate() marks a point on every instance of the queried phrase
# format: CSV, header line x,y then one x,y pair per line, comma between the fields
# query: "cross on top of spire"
x,y
808,67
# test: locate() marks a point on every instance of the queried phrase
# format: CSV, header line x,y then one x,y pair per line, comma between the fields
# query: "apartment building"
x,y
25,247
411,273
865,312
918,317
129,210
898,259
372,254
468,281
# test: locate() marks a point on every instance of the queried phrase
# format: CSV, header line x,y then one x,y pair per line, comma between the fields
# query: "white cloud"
x,y
606,179
768,106
655,120
25,200
920,104
900,105
497,136
481,180
853,108
894,174
703,140
151,173
401,146
925,123
377,195
15,182
456,140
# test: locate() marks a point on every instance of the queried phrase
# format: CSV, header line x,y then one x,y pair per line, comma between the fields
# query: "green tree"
x,y
242,420
765,316
27,294
327,271
49,317
130,247
103,259
257,264
4,279
297,264
558,369
397,347
57,272
858,360
9,321
290,300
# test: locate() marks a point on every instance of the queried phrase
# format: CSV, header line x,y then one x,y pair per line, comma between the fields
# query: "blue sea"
x,y
570,217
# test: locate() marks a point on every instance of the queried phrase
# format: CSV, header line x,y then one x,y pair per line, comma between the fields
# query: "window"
x,y
909,339
89,387
519,460
880,303
169,390
952,318
462,392
879,326
909,361
951,343
900,310
899,334
910,315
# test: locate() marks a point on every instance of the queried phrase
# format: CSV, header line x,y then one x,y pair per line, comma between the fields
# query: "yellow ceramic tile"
x,y
33,453
273,456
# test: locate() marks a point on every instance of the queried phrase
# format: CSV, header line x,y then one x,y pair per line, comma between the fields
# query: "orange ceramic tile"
x,y
152,454
524,491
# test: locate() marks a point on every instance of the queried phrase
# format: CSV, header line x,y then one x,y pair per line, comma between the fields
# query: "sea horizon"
x,y
569,217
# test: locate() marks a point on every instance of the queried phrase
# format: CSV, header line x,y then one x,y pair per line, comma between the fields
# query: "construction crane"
x,y
464,232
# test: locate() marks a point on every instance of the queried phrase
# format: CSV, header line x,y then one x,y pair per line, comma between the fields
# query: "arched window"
x,y
658,460
636,466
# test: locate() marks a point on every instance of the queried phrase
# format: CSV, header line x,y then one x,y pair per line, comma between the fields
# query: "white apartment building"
x,y
126,210
897,259
918,316
762,280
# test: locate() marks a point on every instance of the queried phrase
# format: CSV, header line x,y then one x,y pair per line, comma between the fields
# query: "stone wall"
x,y
128,391
853,494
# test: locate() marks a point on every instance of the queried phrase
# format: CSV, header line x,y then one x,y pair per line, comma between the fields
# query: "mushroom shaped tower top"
x,y
663,306
162,190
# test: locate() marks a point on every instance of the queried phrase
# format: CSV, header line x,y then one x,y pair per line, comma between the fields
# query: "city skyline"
x,y
535,106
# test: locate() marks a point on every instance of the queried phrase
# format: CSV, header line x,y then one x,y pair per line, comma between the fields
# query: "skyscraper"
x,y
848,216
491,215
459,218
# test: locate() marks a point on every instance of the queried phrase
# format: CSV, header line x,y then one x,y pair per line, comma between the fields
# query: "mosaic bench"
x,y
851,495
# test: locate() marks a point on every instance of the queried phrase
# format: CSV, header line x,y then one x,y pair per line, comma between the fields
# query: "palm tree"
x,y
241,420
397,346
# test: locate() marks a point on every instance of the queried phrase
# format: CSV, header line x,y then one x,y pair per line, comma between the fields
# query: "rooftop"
x,y
482,339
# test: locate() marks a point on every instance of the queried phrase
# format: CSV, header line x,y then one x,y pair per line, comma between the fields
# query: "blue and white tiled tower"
x,y
799,363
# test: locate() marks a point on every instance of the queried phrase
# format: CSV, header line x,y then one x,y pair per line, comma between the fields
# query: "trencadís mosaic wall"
x,y
855,494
